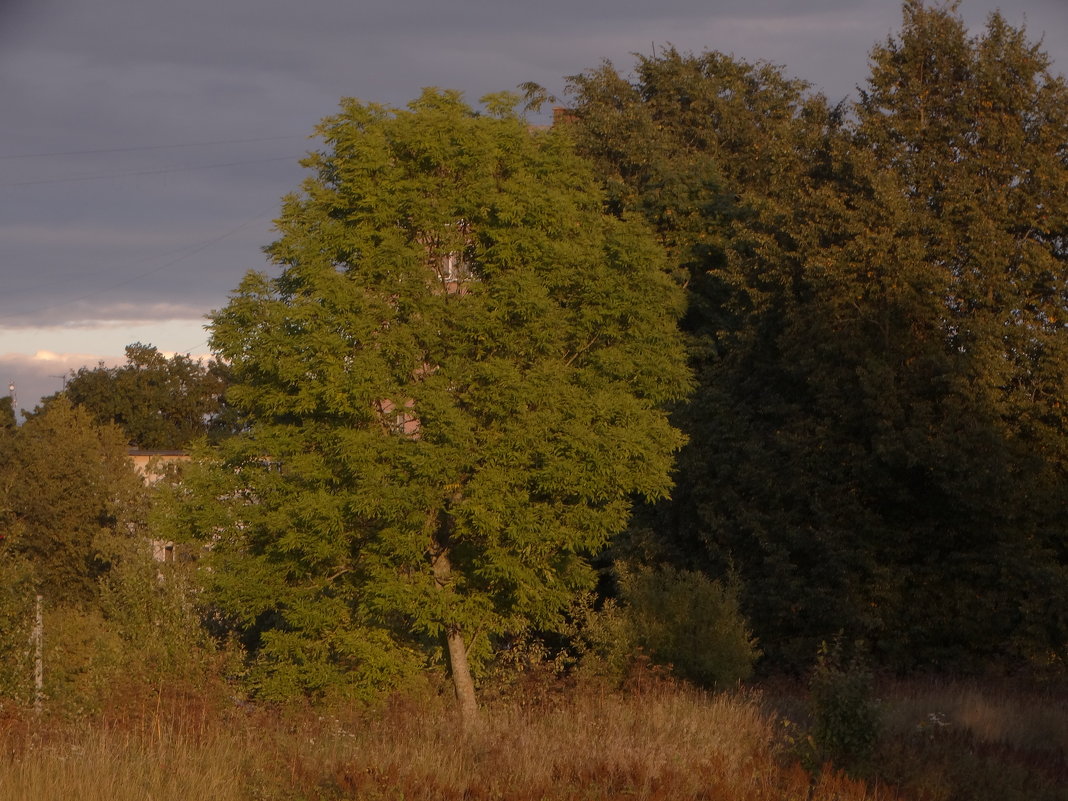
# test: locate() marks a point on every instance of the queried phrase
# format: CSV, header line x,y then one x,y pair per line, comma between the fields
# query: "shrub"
x,y
684,619
151,605
17,592
82,658
845,715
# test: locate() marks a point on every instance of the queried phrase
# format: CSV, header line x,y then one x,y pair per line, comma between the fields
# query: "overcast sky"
x,y
145,144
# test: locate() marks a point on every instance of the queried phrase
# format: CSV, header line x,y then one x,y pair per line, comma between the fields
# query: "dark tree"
x,y
161,403
7,414
66,483
877,324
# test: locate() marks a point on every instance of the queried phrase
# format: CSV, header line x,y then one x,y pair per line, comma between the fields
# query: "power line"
x,y
141,148
189,351
190,251
130,173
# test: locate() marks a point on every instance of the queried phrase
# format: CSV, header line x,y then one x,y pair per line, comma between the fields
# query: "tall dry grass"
x,y
973,741
654,742
155,747
1020,717
101,765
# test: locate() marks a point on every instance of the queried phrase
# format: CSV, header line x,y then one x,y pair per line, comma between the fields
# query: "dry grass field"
x,y
653,740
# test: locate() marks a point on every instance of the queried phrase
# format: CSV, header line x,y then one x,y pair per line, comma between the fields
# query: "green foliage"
x,y
17,592
738,153
64,484
83,655
675,618
845,714
697,144
728,140
974,127
600,643
452,389
160,403
72,530
7,414
143,627
152,606
684,619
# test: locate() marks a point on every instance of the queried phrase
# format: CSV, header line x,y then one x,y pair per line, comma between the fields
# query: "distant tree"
x,y
161,403
7,414
452,392
64,484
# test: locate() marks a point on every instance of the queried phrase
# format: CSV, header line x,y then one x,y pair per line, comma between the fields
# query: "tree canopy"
x,y
160,403
7,413
876,324
66,485
974,127
453,389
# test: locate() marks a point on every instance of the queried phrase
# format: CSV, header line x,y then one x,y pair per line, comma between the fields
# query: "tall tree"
x,y
453,390
161,403
695,142
877,439
720,155
975,126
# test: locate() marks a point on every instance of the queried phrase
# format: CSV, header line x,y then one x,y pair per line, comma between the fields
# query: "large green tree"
x,y
876,321
453,390
161,403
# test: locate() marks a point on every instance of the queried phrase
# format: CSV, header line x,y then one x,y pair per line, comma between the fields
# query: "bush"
x,y
151,605
684,619
17,591
845,715
82,658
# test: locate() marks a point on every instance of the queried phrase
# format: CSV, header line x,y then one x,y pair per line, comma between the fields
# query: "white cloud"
x,y
108,336
42,373
37,360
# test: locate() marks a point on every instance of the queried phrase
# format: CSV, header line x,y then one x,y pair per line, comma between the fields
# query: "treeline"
x,y
450,431
77,564
877,296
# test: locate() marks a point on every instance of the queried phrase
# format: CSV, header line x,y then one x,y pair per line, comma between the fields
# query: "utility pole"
x,y
37,635
38,656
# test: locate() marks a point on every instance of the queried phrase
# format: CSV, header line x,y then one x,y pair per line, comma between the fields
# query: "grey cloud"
x,y
129,73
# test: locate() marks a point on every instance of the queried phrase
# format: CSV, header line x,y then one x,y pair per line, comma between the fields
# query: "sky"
x,y
145,145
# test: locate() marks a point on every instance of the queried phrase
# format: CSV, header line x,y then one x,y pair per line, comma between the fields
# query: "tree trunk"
x,y
459,666
461,678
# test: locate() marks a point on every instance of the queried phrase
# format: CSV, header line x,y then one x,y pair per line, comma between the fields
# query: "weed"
x,y
845,714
